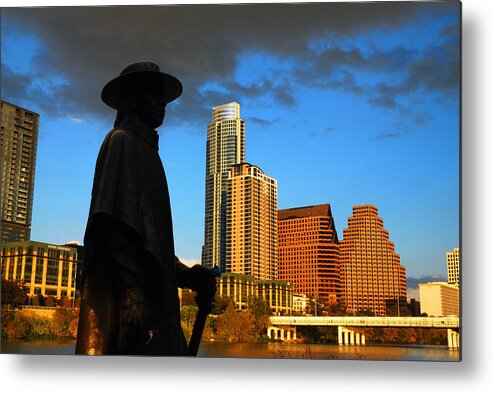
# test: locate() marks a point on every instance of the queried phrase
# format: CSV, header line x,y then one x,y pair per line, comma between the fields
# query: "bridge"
x,y
351,329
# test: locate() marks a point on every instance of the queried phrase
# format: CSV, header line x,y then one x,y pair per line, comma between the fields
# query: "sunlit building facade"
x,y
19,139
453,266
371,273
308,252
225,148
241,288
45,269
251,223
439,299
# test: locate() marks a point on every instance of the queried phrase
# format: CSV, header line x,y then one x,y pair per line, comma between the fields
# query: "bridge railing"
x,y
437,322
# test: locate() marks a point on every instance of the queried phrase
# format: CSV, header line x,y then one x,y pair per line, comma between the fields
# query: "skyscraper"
x,y
371,273
251,223
19,140
453,265
225,148
309,251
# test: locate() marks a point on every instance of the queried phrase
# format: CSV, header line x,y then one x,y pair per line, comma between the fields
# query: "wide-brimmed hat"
x,y
142,72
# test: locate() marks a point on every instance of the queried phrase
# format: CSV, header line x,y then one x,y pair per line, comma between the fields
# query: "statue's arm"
x,y
199,279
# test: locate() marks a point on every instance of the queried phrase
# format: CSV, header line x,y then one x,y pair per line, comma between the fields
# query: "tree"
x,y
260,313
50,301
17,326
65,322
188,298
235,326
187,315
14,293
336,309
220,305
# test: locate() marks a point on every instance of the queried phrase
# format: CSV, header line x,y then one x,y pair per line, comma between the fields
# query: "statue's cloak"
x,y
130,200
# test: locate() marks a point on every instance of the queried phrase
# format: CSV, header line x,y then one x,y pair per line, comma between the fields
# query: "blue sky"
x,y
344,104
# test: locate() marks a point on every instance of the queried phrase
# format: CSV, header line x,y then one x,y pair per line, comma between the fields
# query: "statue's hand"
x,y
203,281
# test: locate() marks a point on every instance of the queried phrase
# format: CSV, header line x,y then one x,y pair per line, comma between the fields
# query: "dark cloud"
x,y
329,130
88,46
412,282
408,121
324,131
435,70
259,121
385,136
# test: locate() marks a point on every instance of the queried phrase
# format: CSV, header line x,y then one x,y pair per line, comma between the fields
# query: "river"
x,y
270,351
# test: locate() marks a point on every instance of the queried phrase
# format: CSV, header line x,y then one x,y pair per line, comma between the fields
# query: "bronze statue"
x,y
129,303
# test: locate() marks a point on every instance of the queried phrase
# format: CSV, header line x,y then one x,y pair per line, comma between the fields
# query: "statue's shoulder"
x,y
119,133
118,137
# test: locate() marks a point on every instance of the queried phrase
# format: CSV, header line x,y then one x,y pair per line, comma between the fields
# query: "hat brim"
x,y
112,92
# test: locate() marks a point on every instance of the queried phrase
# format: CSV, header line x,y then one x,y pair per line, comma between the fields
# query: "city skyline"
x,y
347,129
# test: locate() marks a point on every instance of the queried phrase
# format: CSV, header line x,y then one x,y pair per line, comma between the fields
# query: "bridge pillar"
x,y
453,339
350,336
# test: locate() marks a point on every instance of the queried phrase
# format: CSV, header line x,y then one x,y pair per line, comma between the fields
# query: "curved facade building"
x,y
371,274
225,148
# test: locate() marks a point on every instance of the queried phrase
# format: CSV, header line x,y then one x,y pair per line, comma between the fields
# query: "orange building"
x,y
308,251
251,229
371,273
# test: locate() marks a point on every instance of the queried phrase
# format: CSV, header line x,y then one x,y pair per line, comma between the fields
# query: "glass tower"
x,y
225,148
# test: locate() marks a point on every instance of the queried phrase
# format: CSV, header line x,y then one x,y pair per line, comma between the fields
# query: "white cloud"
x,y
189,262
75,119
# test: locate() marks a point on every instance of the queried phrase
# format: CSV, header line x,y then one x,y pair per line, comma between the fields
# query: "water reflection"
x,y
269,351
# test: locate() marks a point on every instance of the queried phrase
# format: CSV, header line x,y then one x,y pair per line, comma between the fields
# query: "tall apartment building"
x,y
251,223
19,139
225,148
453,266
439,299
45,269
371,273
308,251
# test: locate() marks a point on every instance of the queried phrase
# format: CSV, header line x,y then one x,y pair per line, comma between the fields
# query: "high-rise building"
x,y
225,148
308,251
251,223
371,273
45,269
19,139
439,299
453,265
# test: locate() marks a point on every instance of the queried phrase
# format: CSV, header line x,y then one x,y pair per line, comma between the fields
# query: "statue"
x,y
129,303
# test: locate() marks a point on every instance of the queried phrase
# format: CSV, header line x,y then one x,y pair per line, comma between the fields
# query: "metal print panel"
x,y
311,153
